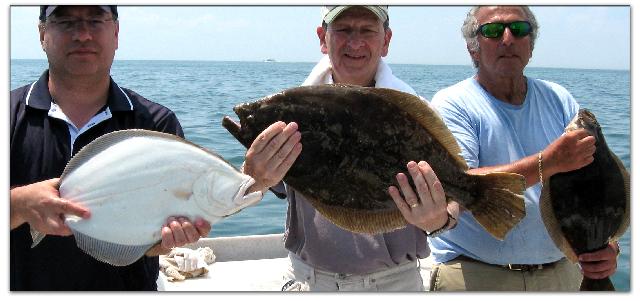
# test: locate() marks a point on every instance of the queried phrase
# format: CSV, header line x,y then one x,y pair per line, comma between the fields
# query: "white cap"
x,y
330,13
47,10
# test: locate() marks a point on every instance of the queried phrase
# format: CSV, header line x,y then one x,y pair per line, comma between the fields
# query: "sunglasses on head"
x,y
518,29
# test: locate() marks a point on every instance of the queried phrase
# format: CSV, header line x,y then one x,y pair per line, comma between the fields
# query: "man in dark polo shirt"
x,y
74,102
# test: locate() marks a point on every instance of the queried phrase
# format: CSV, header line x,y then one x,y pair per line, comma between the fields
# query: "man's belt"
x,y
512,266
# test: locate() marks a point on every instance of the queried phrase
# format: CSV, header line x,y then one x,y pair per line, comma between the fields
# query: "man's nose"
x,y
82,30
507,37
355,39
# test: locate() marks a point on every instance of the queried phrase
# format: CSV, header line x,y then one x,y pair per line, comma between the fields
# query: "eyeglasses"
x,y
346,32
518,29
68,25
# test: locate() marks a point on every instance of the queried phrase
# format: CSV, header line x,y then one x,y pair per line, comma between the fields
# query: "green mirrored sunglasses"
x,y
518,29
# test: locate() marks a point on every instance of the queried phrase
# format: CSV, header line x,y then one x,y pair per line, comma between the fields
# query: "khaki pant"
x,y
469,275
302,277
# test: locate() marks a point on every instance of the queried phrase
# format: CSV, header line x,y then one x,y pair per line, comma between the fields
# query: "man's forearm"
x,y
527,167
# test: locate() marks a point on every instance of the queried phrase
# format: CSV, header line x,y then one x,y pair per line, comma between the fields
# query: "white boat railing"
x,y
250,247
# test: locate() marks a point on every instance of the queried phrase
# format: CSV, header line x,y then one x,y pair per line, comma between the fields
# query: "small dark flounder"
x,y
355,140
586,208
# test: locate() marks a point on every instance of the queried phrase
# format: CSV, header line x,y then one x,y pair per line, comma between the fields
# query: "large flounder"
x,y
133,180
355,140
583,210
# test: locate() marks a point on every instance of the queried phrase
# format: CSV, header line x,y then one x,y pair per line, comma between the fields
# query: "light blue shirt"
x,y
492,132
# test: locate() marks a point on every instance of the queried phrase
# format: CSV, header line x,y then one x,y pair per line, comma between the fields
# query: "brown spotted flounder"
x,y
585,209
356,139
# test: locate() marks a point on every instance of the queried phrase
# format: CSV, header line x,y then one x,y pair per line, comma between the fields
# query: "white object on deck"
x,y
247,263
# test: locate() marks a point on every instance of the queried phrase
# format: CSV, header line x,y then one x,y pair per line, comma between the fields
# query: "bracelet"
x,y
618,248
444,227
540,168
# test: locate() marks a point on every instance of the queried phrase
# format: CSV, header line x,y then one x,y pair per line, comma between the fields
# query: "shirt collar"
x,y
38,96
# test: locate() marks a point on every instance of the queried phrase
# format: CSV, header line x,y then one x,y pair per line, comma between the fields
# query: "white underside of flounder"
x,y
133,180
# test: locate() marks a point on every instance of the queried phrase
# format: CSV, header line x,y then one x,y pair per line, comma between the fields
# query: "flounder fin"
x,y
589,284
36,237
430,119
235,130
105,141
626,219
500,204
111,253
359,221
551,223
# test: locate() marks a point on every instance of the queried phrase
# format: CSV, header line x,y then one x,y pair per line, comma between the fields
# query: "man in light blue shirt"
x,y
504,121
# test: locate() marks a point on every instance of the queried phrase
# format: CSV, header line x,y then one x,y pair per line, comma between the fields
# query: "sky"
x,y
592,37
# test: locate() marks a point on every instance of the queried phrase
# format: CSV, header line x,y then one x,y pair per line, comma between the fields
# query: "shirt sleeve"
x,y
169,124
279,190
571,106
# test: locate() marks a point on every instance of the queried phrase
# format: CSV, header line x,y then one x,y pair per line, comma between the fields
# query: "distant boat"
x,y
269,61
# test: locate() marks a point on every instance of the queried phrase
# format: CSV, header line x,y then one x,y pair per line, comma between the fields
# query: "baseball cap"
x,y
330,13
47,10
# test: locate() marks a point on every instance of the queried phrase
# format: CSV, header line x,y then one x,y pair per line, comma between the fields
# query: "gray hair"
x,y
470,29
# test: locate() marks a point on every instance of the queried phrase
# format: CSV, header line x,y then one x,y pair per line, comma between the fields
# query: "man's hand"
x,y
40,205
600,264
272,154
427,209
179,231
573,150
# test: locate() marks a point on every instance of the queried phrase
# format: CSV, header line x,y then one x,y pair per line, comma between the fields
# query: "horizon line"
x,y
314,62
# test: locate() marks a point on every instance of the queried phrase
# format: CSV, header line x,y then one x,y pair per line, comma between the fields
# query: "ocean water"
x,y
202,93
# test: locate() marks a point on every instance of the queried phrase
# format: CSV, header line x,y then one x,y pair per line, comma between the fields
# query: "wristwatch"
x,y
444,228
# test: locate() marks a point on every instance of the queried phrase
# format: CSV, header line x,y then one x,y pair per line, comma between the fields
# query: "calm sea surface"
x,y
201,93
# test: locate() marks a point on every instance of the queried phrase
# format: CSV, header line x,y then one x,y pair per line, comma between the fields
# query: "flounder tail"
x,y
589,284
500,205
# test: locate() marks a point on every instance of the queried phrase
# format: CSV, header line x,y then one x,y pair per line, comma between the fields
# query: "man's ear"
x,y
41,32
322,37
117,32
475,55
387,41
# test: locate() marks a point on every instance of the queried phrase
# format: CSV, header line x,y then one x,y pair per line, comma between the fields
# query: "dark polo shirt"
x,y
40,147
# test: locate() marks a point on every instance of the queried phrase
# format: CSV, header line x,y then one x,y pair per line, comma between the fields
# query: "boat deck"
x,y
246,263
